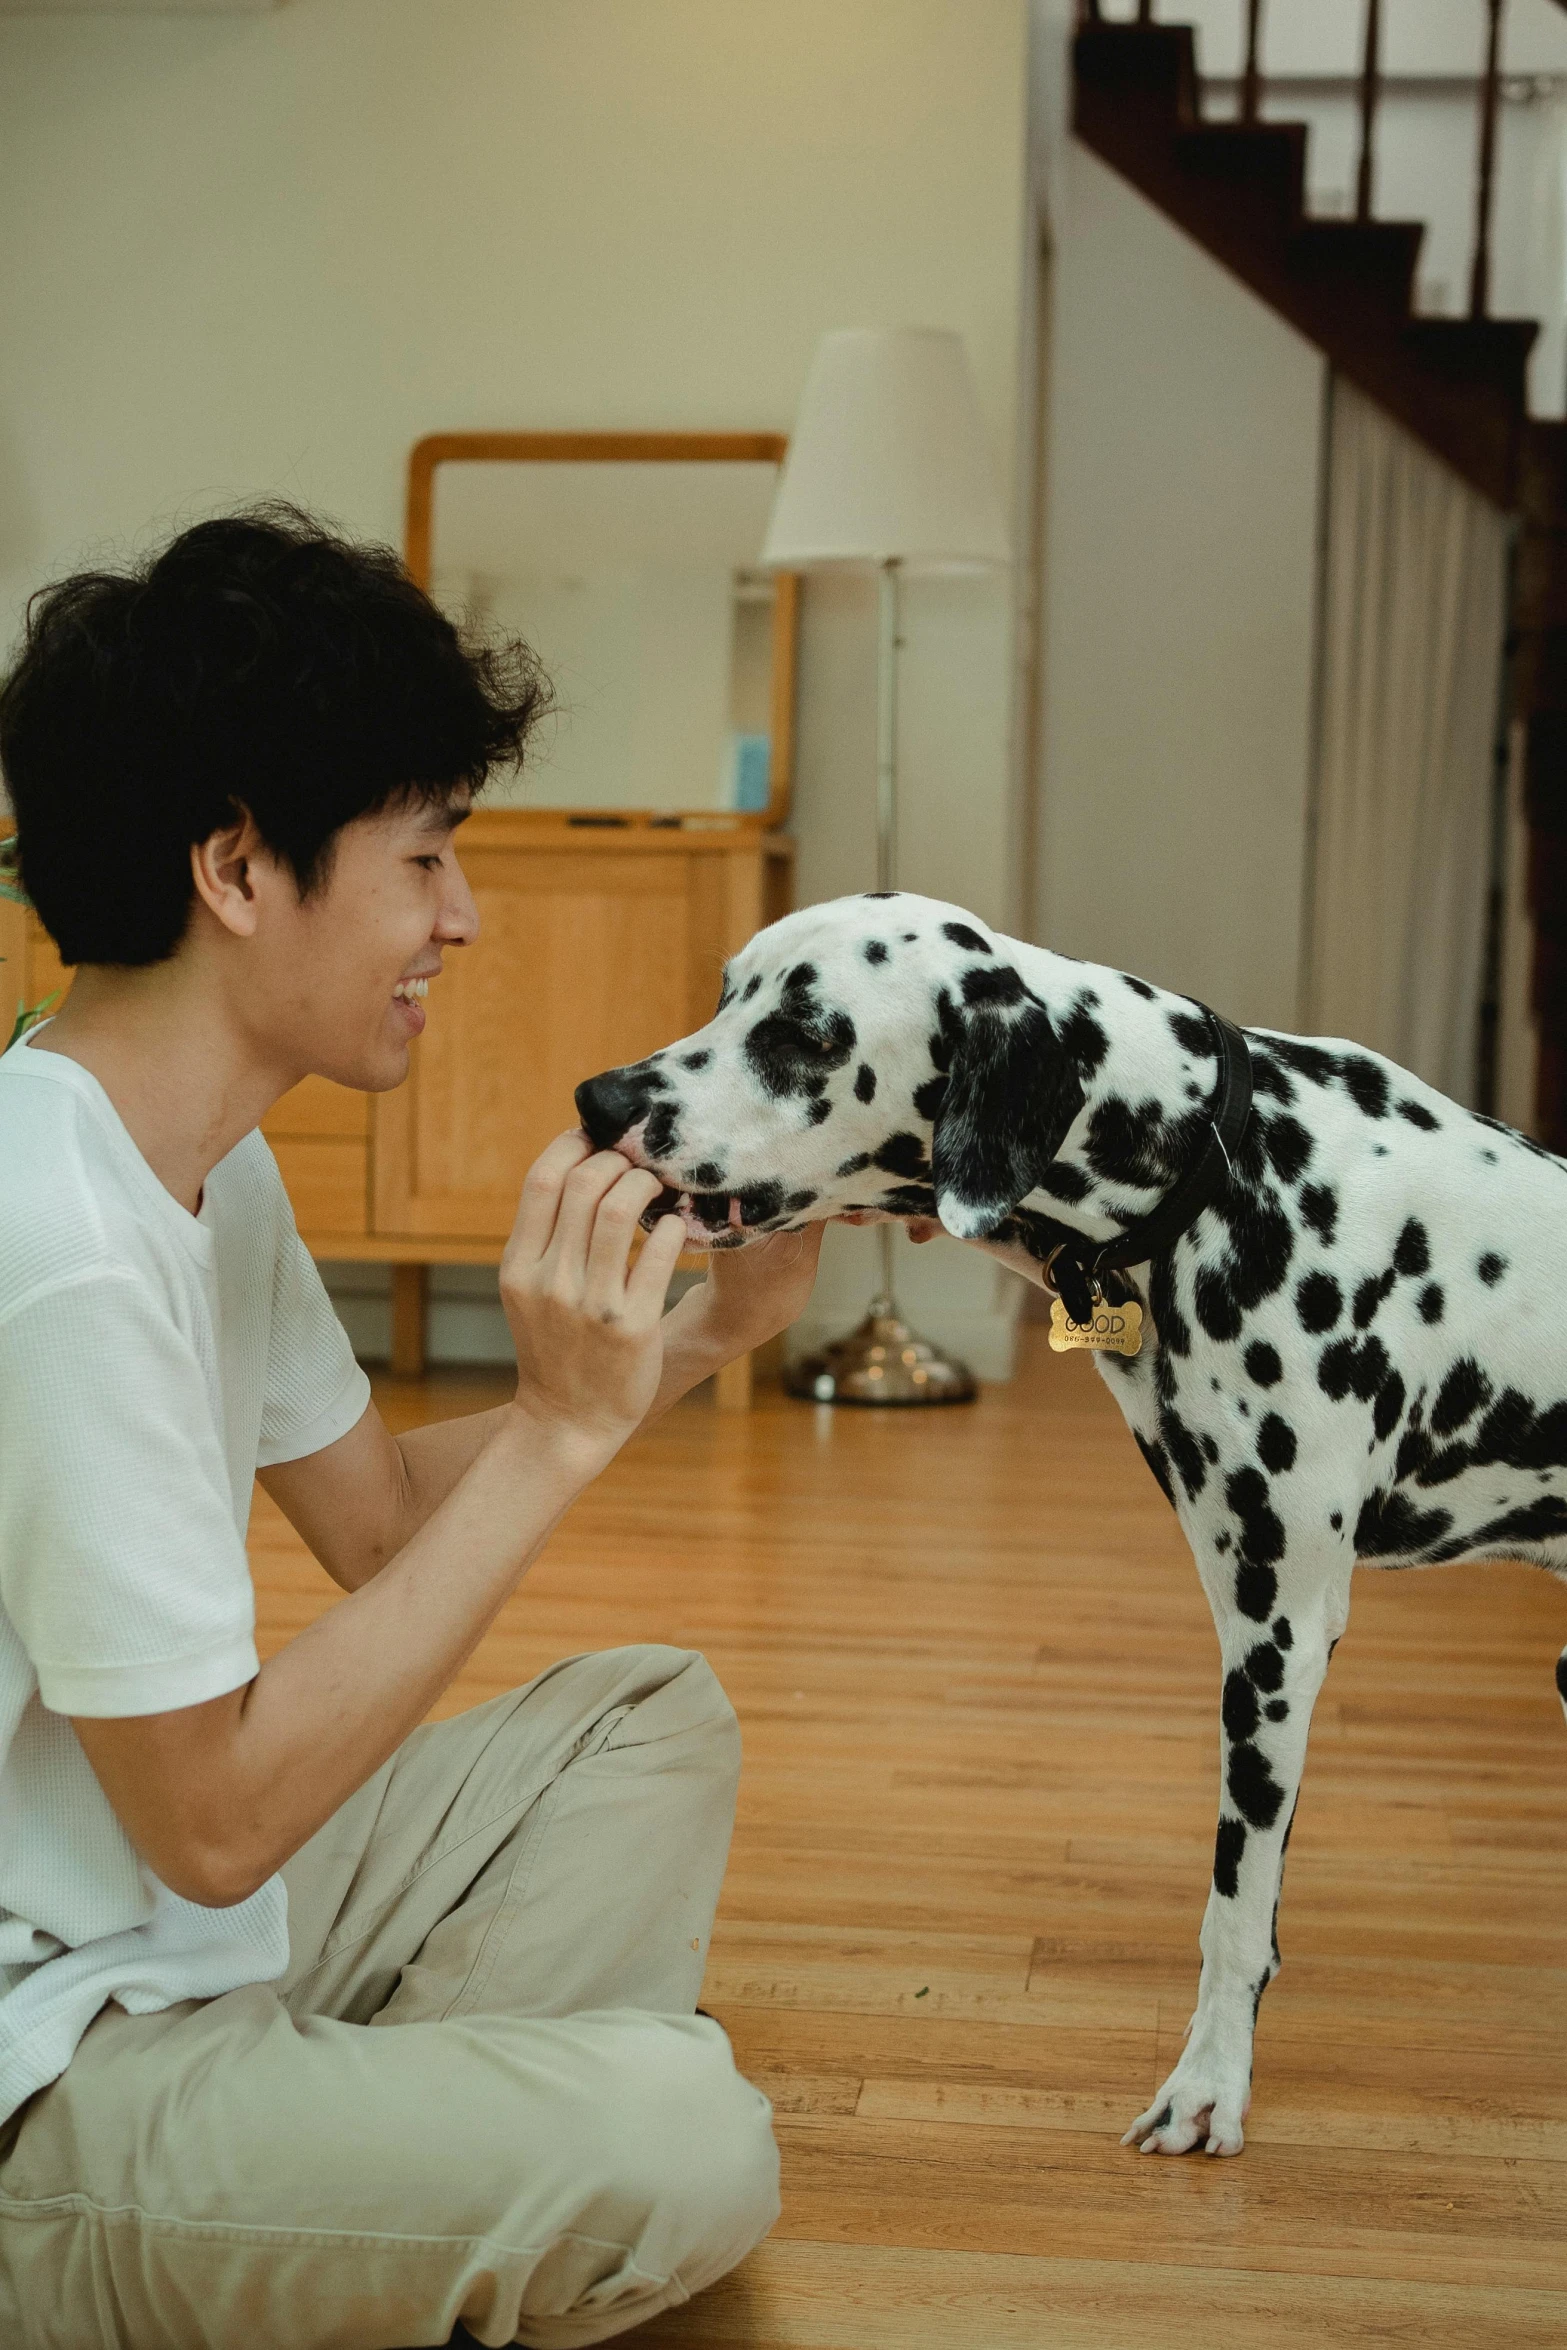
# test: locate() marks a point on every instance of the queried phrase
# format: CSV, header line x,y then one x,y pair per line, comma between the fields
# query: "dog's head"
x,y
877,1055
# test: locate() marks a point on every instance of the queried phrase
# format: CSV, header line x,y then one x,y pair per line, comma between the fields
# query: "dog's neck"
x,y
1148,1067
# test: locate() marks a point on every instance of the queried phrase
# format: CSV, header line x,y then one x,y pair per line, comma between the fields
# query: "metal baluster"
x,y
1370,89
1251,80
1490,95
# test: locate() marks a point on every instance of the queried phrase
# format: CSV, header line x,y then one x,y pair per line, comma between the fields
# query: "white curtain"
x,y
1412,624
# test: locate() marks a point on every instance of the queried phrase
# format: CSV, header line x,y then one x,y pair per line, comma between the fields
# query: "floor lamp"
x,y
888,466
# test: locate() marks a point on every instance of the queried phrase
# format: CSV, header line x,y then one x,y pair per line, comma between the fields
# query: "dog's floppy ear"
x,y
1011,1095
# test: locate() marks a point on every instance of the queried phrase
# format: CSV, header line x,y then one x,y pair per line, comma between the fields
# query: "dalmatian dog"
x,y
1350,1349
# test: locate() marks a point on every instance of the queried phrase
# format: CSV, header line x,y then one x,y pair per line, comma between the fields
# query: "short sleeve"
x,y
315,1389
121,1568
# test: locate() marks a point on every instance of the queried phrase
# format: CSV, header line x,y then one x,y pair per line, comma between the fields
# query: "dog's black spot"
x,y
992,984
1491,1268
1063,1181
798,1200
1082,1039
1282,1633
1228,1848
1175,1336
1158,1460
1288,1145
726,996
1277,1710
820,1112
1490,1158
1318,1302
1336,1521
1431,1302
1137,986
1319,1206
1389,1404
658,1135
1238,1708
759,1202
695,1060
1266,1075
1254,1791
793,1049
1263,1364
751,986
948,1033
1262,1531
1307,1060
962,936
874,951
1184,1450
855,1166
1216,1305
902,1154
1194,1035
1265,1666
1419,1115
708,1174
1460,1395
929,1097
1561,1676
1370,1295
1354,1367
1276,1444
865,1083
1366,1084
712,1207
1389,1524
1535,1521
909,1199
1413,1252
1210,1450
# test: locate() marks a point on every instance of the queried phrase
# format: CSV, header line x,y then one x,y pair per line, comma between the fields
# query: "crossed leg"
x,y
480,2091
1274,1665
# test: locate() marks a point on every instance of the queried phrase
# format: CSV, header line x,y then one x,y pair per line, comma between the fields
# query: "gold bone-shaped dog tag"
x,y
1111,1329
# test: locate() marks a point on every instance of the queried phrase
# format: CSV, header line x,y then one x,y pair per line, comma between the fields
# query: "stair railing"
x,y
1251,90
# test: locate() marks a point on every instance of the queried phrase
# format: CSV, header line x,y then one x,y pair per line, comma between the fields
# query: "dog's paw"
x,y
1196,2107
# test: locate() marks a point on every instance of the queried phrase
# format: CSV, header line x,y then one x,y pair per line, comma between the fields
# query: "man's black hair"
x,y
258,662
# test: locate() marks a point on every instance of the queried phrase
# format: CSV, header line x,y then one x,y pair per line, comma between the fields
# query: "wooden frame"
x,y
632,448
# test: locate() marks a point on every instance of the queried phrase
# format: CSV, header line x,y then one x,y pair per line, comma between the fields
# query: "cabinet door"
x,y
589,955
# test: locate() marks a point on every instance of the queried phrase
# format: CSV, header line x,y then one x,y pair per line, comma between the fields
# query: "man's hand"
x,y
586,1325
754,1292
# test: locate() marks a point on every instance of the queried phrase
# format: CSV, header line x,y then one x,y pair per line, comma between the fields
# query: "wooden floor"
x,y
958,1939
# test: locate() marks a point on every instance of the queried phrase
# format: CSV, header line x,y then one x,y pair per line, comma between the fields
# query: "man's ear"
x,y
223,869
1011,1095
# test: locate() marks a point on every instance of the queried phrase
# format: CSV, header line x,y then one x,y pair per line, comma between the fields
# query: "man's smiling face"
x,y
338,976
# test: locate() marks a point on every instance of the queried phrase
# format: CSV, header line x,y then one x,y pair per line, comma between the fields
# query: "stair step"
x,y
1155,60
1375,259
1477,352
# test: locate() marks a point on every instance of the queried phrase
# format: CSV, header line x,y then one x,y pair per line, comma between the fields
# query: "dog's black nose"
x,y
608,1105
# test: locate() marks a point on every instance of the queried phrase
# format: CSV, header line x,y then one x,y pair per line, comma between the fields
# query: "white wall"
x,y
1180,573
265,254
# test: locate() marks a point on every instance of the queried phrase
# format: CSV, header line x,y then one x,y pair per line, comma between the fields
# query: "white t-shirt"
x,y
150,1362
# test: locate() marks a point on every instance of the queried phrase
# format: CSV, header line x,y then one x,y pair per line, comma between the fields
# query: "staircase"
x,y
1458,384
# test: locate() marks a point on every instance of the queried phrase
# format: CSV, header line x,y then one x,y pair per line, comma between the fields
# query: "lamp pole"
x,y
888,583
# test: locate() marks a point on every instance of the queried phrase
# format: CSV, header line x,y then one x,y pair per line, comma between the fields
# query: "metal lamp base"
x,y
882,1362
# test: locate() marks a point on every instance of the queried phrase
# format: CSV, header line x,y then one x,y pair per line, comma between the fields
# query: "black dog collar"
x,y
1076,1269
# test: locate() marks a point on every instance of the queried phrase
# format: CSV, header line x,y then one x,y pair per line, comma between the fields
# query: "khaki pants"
x,y
480,2091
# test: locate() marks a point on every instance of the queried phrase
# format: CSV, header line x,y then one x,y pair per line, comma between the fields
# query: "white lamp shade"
x,y
889,460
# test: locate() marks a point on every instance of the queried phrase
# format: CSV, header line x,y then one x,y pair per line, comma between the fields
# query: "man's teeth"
x,y
408,989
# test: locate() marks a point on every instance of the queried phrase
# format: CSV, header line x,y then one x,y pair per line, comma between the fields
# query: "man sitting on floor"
x,y
237,775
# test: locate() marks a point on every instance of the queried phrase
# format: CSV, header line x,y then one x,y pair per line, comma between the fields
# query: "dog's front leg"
x,y
1273,1669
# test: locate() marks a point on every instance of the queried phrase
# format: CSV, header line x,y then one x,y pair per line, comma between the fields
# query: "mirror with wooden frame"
x,y
629,562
